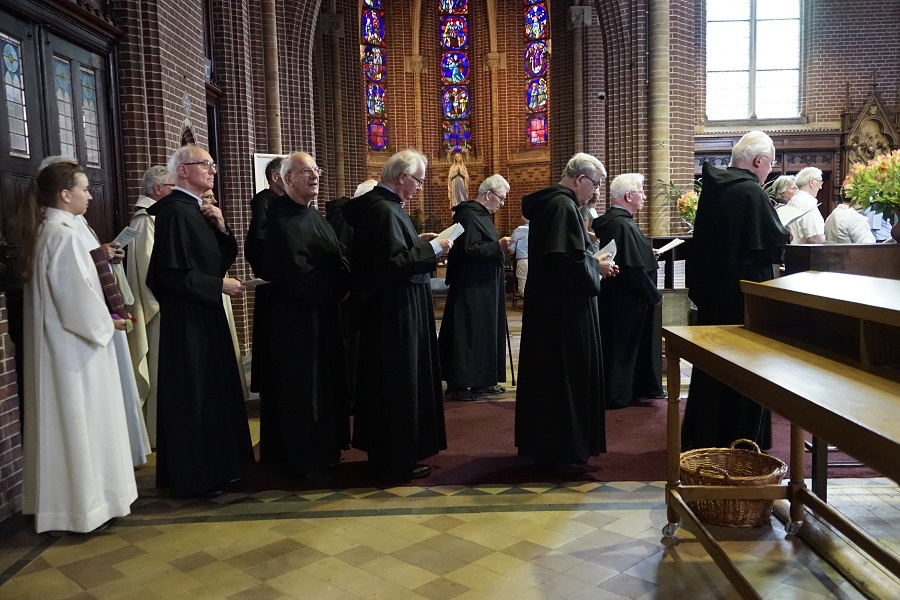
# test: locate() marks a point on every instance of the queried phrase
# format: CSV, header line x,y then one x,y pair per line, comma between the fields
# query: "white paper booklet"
x,y
126,236
788,214
252,283
451,233
610,249
673,244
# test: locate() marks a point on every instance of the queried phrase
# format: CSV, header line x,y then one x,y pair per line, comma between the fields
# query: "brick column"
x,y
11,462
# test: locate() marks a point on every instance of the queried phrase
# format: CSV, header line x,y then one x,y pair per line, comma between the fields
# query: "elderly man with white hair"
x,y
560,419
810,228
737,235
203,439
629,331
399,412
473,328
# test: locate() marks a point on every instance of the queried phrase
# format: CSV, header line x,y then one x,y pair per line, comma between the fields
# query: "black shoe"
x,y
461,394
318,475
575,467
491,389
417,472
655,396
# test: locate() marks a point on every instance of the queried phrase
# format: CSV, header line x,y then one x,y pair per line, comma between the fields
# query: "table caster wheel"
x,y
793,527
670,529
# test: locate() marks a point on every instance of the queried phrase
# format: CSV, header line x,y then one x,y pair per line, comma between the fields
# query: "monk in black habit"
x,y
306,417
473,328
203,438
560,420
737,235
253,250
398,409
629,331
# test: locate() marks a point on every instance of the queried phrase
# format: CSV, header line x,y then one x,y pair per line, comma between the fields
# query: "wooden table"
x,y
820,349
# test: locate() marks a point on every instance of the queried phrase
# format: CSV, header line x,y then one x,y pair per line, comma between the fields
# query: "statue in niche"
x,y
868,143
458,180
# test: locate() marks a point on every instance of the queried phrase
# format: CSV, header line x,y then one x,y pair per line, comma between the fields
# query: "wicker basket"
x,y
731,466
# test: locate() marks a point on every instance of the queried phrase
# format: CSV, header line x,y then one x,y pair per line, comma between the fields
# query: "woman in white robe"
x,y
78,468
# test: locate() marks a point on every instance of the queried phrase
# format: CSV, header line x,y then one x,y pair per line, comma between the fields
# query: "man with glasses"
x,y
560,419
737,235
809,228
143,340
629,326
473,328
304,416
399,412
203,439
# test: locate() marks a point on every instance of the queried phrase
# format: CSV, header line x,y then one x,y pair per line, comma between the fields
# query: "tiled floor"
x,y
534,541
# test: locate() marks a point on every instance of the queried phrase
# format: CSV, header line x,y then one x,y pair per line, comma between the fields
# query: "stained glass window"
x,y
62,75
90,116
454,32
375,100
536,64
378,134
372,27
15,96
374,64
456,100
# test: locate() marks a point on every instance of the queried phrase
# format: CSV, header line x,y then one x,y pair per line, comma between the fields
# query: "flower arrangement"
x,y
686,202
876,183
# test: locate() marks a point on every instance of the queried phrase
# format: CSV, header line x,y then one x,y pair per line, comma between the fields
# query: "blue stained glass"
x,y
456,102
88,93
454,67
537,94
537,58
373,3
454,32
373,27
536,132
536,22
530,2
375,100
455,7
11,60
62,77
374,63
456,134
378,134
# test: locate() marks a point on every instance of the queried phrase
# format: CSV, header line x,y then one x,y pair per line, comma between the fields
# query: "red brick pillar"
x,y
11,462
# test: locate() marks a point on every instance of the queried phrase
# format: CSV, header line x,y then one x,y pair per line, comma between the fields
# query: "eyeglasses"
x,y
207,165
307,172
419,182
166,184
597,184
502,199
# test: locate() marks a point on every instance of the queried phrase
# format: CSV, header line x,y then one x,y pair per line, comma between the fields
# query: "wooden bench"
x,y
820,349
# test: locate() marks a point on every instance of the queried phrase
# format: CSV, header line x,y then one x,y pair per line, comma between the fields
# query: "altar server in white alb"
x,y
78,467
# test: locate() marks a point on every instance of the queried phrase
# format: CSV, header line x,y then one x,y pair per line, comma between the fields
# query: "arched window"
x,y
456,99
536,63
374,72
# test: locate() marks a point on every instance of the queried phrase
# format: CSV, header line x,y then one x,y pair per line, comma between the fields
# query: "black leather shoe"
x,y
461,394
420,471
318,475
571,468
491,389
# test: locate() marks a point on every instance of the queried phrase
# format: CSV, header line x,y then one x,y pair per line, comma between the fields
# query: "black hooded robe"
x,y
632,360
398,406
253,251
203,438
473,328
737,235
559,400
306,397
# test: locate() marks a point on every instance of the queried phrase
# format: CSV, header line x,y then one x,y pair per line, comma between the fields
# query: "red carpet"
x,y
480,451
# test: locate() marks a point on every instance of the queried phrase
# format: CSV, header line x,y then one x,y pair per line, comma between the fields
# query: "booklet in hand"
x,y
674,243
610,249
126,236
451,233
788,214
252,283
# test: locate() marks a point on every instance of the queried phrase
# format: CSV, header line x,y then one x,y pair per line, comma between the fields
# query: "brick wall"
x,y
11,462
